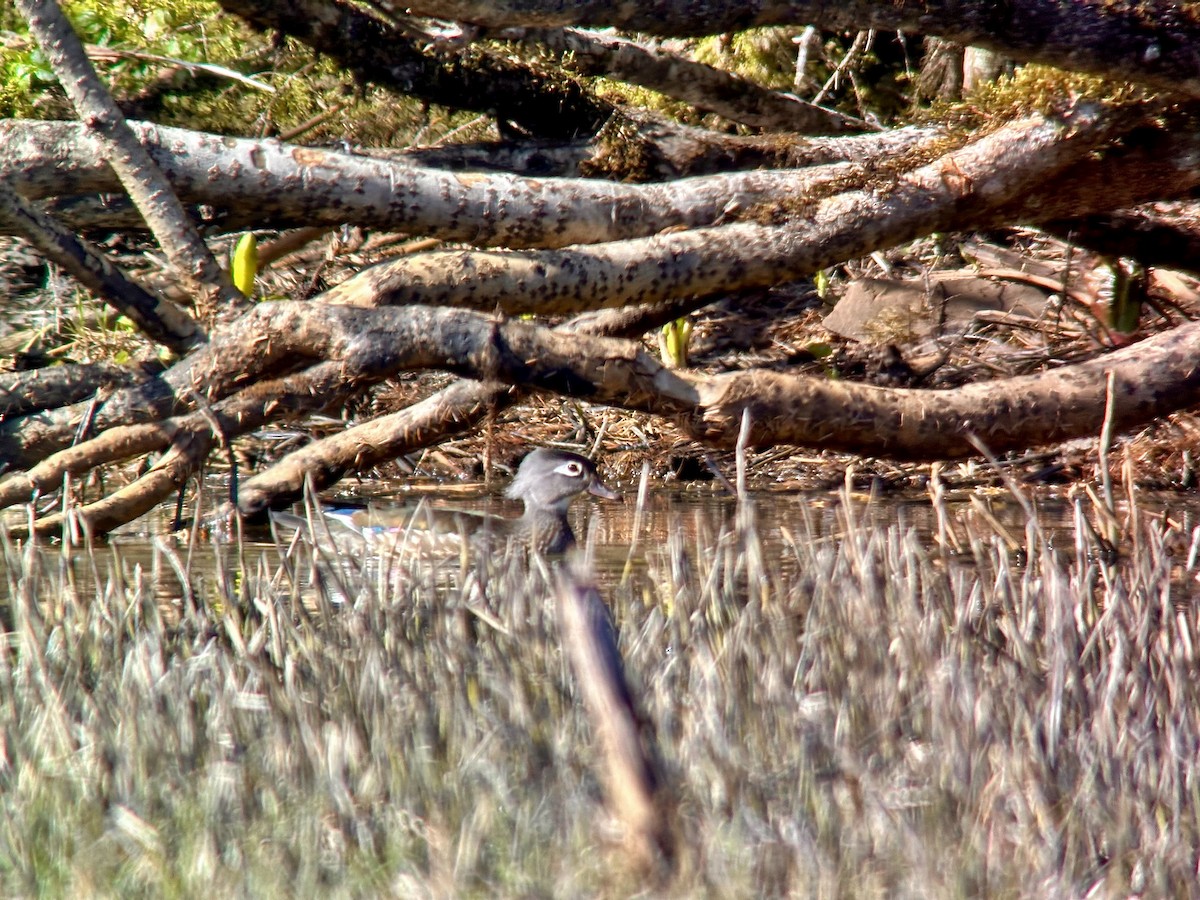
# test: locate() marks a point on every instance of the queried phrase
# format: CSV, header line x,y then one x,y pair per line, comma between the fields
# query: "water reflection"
x,y
622,537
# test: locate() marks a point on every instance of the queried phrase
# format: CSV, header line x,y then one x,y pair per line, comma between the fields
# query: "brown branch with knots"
x,y
188,437
281,359
1151,379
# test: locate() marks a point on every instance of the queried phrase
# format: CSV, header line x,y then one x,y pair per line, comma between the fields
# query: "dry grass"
x,y
850,709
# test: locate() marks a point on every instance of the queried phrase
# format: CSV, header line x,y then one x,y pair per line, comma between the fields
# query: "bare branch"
x,y
264,183
141,178
1152,42
157,317
1153,378
705,87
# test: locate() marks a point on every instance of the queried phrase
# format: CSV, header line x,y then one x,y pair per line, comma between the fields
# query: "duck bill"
x,y
596,489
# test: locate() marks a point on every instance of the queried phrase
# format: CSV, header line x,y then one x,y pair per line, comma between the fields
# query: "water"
x,y
621,537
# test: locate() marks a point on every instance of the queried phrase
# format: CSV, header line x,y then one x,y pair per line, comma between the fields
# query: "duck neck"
x,y
548,529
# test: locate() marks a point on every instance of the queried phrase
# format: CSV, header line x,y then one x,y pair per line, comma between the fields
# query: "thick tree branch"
x,y
963,189
264,183
280,185
1154,377
542,104
323,385
1152,42
54,386
141,178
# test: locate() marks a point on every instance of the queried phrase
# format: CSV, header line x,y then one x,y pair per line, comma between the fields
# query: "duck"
x,y
548,481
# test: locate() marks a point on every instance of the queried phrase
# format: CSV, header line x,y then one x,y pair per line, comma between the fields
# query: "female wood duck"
x,y
547,481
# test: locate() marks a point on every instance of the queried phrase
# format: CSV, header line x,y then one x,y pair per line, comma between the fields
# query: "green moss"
x,y
302,87
188,30
1032,89
621,154
766,56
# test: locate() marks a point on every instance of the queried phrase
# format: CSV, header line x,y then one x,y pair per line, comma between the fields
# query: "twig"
x,y
108,54
158,318
860,42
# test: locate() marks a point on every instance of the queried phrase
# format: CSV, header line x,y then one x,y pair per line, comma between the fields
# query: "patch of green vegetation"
x,y
674,340
303,88
766,56
857,80
1031,89
619,92
189,30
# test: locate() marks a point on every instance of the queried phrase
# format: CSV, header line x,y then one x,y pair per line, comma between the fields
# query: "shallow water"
x,y
620,537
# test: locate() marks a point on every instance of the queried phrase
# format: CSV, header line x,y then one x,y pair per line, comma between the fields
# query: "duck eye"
x,y
573,469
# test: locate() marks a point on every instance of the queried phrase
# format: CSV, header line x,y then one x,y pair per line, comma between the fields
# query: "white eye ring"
x,y
571,468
